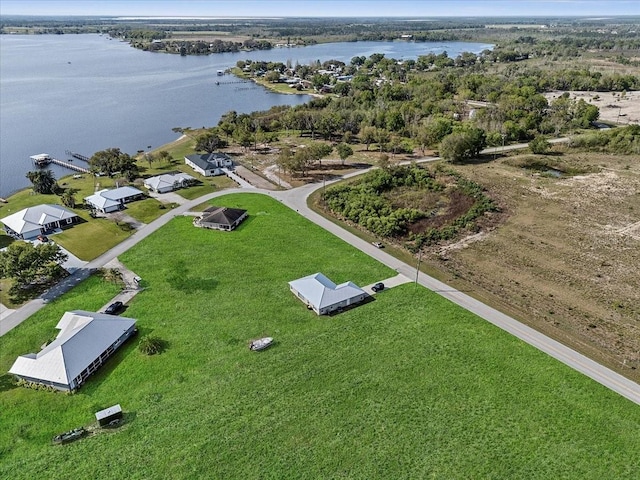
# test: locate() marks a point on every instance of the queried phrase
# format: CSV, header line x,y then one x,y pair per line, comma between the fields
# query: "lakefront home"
x,y
169,182
85,341
39,220
209,164
107,201
323,296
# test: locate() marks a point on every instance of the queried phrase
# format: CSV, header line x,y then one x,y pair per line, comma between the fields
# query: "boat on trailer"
x,y
260,344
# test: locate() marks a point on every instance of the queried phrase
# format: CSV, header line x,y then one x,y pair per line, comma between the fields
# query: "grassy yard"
x,y
90,239
146,210
406,386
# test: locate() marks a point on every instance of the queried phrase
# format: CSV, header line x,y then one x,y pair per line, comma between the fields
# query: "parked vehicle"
x,y
377,244
378,287
114,308
260,344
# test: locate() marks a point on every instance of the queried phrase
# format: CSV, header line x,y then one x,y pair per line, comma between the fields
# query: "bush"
x,y
539,145
150,345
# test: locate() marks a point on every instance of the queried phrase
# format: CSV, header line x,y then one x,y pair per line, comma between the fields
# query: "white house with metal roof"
x,y
41,219
209,164
85,341
323,296
106,200
168,182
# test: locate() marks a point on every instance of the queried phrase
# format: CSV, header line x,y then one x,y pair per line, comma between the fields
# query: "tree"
x,y
209,142
44,181
68,197
316,151
273,77
164,156
462,145
344,151
29,264
368,136
112,160
539,145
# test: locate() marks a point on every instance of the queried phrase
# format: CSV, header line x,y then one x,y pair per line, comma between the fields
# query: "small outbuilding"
x,y
323,296
108,415
221,218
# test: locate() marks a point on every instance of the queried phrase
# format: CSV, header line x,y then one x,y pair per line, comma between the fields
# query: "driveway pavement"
x,y
169,197
390,282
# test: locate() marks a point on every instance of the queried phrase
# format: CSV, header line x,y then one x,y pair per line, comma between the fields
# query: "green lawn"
x,y
406,386
146,210
90,239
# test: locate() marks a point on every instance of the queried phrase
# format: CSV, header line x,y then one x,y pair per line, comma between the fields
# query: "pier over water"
x,y
44,159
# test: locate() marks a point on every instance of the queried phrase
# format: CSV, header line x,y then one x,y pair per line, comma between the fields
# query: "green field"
x,y
406,386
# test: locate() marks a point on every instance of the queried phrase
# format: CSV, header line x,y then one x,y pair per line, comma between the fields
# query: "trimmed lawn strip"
x,y
146,210
406,386
90,239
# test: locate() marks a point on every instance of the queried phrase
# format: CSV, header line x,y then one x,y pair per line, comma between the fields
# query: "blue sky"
x,y
324,8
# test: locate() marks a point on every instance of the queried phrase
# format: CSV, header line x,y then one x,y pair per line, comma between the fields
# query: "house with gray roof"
x,y
220,218
323,296
85,341
30,222
112,200
168,182
209,164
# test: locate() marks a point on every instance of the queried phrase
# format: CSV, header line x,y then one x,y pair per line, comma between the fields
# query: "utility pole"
x,y
418,265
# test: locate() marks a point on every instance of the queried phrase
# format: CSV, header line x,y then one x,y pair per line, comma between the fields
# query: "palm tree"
x,y
44,181
68,197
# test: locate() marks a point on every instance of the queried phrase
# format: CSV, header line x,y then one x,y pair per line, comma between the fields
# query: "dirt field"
x,y
566,257
615,107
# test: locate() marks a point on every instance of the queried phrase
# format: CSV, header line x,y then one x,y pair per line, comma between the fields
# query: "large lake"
x,y
85,93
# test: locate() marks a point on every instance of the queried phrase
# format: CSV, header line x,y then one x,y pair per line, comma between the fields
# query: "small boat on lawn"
x,y
69,436
260,344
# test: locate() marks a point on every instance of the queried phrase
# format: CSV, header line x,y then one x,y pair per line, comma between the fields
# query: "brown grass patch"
x,y
567,259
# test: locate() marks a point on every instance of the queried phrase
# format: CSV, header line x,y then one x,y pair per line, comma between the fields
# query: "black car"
x,y
114,308
378,287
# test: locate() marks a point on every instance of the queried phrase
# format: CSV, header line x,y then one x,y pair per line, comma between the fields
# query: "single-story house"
x,y
169,182
85,341
41,219
106,200
323,296
209,164
221,218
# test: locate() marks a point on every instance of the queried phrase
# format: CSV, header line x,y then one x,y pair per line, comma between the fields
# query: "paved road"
x,y
18,316
296,199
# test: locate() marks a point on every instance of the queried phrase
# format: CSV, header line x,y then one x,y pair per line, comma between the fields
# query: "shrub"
x,y
150,345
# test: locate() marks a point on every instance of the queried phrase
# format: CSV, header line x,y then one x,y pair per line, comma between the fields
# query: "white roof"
x,y
33,218
108,198
322,292
167,180
83,337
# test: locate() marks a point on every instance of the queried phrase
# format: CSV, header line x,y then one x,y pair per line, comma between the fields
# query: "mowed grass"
x,y
406,386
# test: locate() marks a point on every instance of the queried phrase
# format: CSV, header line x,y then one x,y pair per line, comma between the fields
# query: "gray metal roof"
x,y
83,337
32,218
322,292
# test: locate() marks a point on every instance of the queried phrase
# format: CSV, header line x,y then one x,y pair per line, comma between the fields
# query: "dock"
x,y
77,155
44,159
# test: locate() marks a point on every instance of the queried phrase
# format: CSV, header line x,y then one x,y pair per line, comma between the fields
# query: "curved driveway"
x,y
296,199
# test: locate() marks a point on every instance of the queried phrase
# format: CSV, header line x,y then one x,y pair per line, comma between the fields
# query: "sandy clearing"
x,y
614,107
